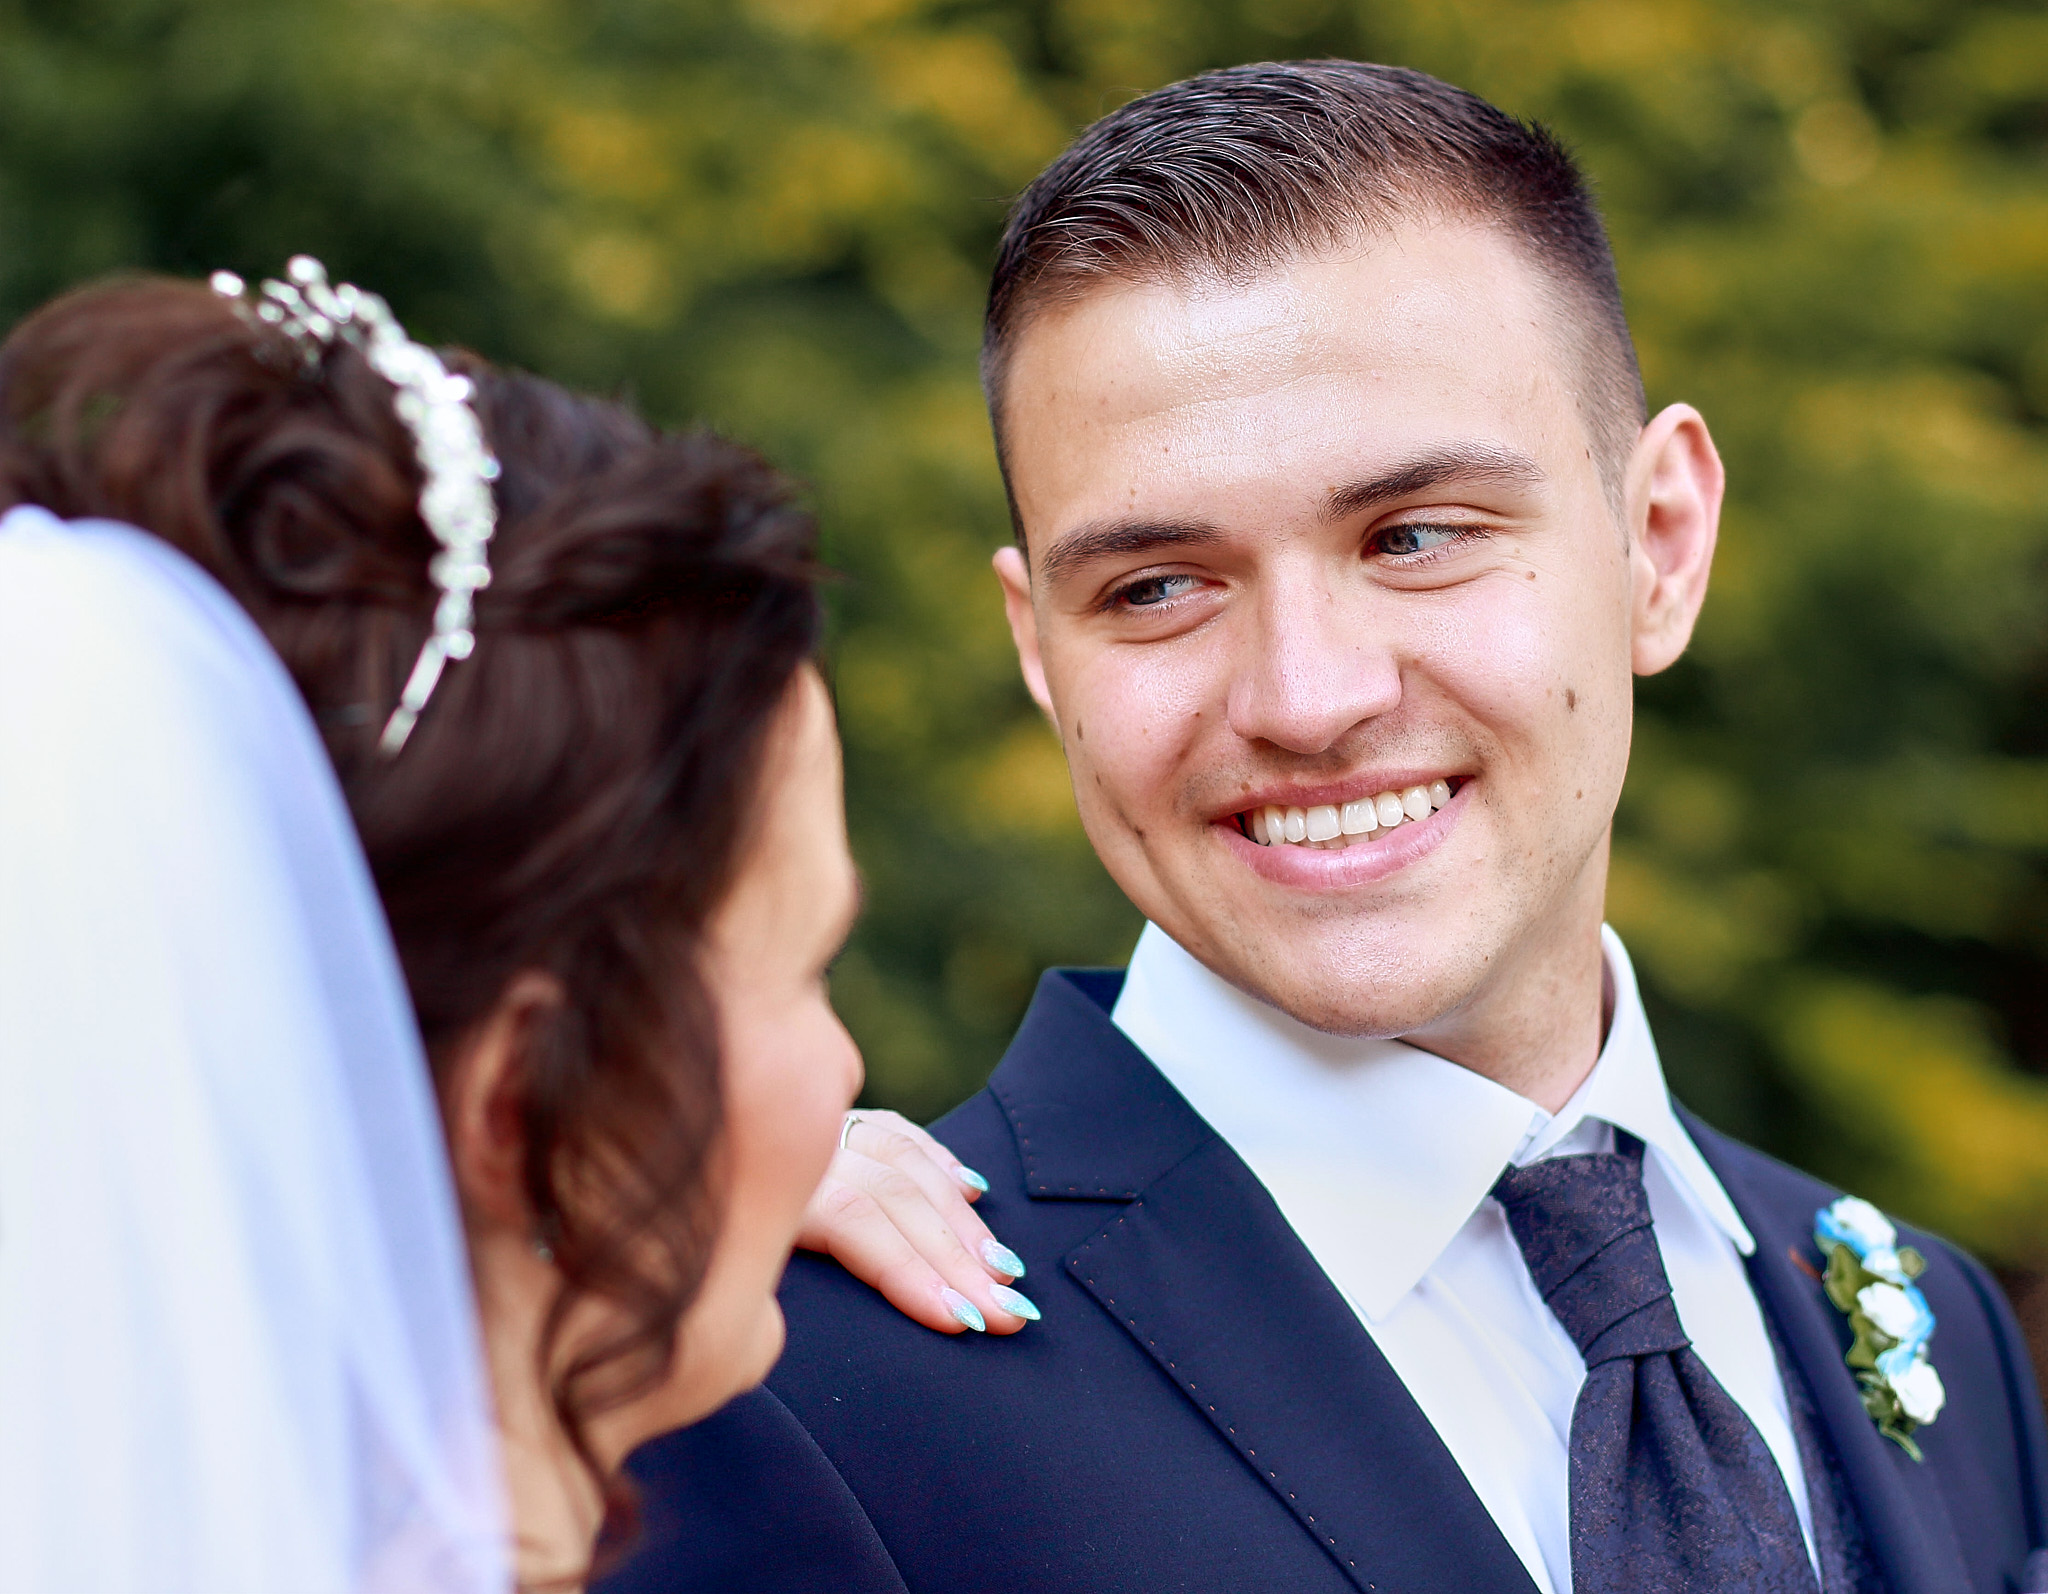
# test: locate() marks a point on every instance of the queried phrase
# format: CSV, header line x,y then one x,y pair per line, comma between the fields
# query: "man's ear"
x,y
1675,514
1015,576
483,1104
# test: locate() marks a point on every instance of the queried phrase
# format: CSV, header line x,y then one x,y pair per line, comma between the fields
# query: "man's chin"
x,y
1372,993
1357,1021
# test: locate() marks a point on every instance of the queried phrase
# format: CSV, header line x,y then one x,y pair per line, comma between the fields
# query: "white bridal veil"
x,y
238,1351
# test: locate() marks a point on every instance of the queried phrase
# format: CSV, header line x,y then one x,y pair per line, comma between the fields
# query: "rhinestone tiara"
x,y
434,404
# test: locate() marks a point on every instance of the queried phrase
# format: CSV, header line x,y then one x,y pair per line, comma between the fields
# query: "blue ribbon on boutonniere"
x,y
1870,1278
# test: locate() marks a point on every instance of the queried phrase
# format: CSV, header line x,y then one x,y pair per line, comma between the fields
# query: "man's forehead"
x,y
1420,334
1429,292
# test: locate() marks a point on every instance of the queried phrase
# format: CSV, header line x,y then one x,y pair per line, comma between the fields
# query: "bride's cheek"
x,y
815,1074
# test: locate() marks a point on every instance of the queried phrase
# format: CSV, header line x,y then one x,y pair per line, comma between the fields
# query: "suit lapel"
x,y
1905,1518
1202,1271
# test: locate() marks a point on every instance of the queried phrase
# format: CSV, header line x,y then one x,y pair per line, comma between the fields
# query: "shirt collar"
x,y
1337,1127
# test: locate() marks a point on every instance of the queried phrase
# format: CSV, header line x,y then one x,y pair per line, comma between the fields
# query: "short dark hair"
x,y
1234,170
576,798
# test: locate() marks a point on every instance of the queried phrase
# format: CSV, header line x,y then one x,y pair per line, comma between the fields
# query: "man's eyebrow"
x,y
1465,464
1118,539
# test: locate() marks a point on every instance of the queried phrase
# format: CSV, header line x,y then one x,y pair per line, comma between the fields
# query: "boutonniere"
x,y
1870,1277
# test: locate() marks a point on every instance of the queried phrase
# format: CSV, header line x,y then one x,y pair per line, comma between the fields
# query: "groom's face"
x,y
1304,541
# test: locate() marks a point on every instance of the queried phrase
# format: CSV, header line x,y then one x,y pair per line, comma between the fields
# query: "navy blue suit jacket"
x,y
1200,1410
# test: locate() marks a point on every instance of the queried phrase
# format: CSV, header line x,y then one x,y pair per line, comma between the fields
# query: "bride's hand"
x,y
894,1210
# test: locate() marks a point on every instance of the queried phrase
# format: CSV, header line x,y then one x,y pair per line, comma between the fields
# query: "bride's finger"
x,y
971,1184
881,1228
887,1139
905,1198
846,1225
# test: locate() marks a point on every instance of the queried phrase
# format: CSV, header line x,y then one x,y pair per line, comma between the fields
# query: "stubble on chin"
x,y
1349,978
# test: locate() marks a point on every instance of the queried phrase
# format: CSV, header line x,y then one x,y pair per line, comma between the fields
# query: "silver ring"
x,y
846,1128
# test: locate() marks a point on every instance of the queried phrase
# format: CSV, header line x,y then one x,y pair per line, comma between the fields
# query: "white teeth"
x,y
1325,825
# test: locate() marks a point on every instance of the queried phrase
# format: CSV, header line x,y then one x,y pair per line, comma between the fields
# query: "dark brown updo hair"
x,y
575,795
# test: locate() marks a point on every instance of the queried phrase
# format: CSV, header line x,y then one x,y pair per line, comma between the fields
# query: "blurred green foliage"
x,y
1832,218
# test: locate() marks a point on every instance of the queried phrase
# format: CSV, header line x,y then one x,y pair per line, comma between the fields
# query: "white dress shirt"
x,y
1381,1157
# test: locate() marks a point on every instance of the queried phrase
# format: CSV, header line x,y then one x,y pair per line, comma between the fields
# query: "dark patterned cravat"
x,y
1673,1491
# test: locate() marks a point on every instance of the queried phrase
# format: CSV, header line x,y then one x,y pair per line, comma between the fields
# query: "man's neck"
x,y
1537,1026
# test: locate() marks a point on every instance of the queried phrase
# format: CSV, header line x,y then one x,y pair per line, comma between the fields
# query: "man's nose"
x,y
1313,668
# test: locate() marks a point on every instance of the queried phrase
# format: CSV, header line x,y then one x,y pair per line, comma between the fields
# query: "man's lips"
x,y
1345,861
1352,788
1359,812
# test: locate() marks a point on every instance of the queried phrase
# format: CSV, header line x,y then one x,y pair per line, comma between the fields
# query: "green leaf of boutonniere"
x,y
1845,1277
1883,1406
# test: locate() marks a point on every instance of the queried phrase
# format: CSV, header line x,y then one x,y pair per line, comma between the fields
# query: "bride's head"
x,y
612,851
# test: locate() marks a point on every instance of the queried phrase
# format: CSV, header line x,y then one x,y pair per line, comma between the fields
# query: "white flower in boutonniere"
x,y
1870,1277
1919,1390
1891,1309
1860,1223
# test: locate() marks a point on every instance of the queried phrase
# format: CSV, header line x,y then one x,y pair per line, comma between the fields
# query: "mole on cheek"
x,y
1571,699
1080,732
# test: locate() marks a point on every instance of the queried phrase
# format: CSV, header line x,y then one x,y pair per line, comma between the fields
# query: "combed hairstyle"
x,y
1233,171
575,796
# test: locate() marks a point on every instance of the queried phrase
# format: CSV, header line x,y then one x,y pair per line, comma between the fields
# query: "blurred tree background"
x,y
775,216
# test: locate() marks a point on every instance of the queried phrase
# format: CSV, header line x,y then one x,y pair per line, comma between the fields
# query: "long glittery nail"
x,y
964,1311
1014,1302
1000,1257
971,1179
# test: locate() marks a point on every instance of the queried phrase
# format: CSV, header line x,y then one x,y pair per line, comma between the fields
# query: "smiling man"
x,y
1372,1250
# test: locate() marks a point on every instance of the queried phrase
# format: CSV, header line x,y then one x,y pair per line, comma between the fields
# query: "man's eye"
x,y
1414,539
1150,591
